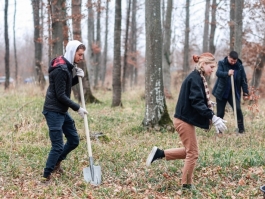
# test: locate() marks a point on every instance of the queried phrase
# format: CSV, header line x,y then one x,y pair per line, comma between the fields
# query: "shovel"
x,y
234,103
92,173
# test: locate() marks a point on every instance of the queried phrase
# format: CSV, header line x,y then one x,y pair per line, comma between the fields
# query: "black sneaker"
x,y
155,154
188,187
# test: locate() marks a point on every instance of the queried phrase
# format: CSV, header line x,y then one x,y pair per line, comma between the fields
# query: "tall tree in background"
x,y
186,65
14,41
205,43
58,13
232,25
133,47
77,35
90,38
213,27
7,69
125,65
116,74
239,5
38,43
166,60
97,54
156,113
105,52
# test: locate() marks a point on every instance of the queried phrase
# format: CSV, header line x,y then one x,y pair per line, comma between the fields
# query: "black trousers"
x,y
221,111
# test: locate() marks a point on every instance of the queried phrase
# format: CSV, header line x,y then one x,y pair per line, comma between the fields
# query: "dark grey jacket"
x,y
192,102
60,82
223,78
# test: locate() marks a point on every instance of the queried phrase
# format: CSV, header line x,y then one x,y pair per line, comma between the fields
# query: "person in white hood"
x,y
56,105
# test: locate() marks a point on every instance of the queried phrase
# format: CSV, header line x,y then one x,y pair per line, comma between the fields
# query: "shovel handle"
x,y
85,117
234,100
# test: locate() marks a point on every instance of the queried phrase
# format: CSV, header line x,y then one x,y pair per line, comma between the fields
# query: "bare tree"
x,y
213,27
156,113
116,74
14,41
205,43
239,5
105,53
38,43
166,60
186,65
232,25
125,66
7,69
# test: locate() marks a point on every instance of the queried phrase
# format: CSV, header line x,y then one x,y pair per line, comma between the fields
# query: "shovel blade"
x,y
96,175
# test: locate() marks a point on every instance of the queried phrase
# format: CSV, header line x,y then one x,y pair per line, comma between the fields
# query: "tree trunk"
x,y
90,38
58,12
7,69
49,32
166,51
133,47
14,41
116,74
205,45
239,6
260,62
213,28
125,66
38,43
97,55
156,113
105,53
232,24
186,65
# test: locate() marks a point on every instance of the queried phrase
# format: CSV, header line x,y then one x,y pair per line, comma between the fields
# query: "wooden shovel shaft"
x,y
234,100
85,117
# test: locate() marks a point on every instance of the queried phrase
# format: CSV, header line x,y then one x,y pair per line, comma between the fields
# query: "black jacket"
x,y
223,78
60,82
192,102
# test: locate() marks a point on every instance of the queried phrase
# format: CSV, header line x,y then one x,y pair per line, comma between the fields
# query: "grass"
x,y
228,167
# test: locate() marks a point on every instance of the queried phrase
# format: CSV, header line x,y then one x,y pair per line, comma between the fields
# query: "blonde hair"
x,y
207,58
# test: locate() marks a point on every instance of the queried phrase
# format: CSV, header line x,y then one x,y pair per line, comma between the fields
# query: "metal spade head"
x,y
92,174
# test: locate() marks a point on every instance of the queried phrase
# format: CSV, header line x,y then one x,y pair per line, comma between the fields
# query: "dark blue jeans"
x,y
221,111
59,124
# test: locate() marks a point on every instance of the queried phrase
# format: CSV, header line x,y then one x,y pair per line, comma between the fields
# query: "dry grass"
x,y
228,167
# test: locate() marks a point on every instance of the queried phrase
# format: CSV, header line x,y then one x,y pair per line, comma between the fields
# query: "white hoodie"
x,y
71,50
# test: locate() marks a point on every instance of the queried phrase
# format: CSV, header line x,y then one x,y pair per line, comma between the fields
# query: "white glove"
x,y
79,72
81,111
219,124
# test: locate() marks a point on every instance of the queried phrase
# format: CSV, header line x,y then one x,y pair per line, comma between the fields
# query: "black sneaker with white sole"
x,y
155,154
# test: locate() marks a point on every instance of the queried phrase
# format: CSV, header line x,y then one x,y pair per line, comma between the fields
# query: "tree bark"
x,y
205,45
105,53
38,44
239,6
166,51
133,47
125,66
156,113
213,28
186,65
7,68
116,74
232,25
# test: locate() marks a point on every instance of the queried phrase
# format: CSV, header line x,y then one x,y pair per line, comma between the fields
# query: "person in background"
x,y
222,90
57,103
193,109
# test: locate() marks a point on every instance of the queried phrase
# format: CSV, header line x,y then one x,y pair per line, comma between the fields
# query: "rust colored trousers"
x,y
189,152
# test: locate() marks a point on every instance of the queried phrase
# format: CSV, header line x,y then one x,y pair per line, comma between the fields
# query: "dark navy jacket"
x,y
59,91
223,79
192,102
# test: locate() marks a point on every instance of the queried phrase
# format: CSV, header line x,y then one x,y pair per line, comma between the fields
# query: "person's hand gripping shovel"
x,y
234,103
92,173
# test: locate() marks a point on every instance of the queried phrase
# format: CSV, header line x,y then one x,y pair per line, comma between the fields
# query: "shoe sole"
x,y
151,156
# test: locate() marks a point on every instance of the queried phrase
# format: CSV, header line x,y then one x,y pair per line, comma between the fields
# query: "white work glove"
x,y
79,72
219,124
81,111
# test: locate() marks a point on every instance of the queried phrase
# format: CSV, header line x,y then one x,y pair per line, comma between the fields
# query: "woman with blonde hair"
x,y
193,108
